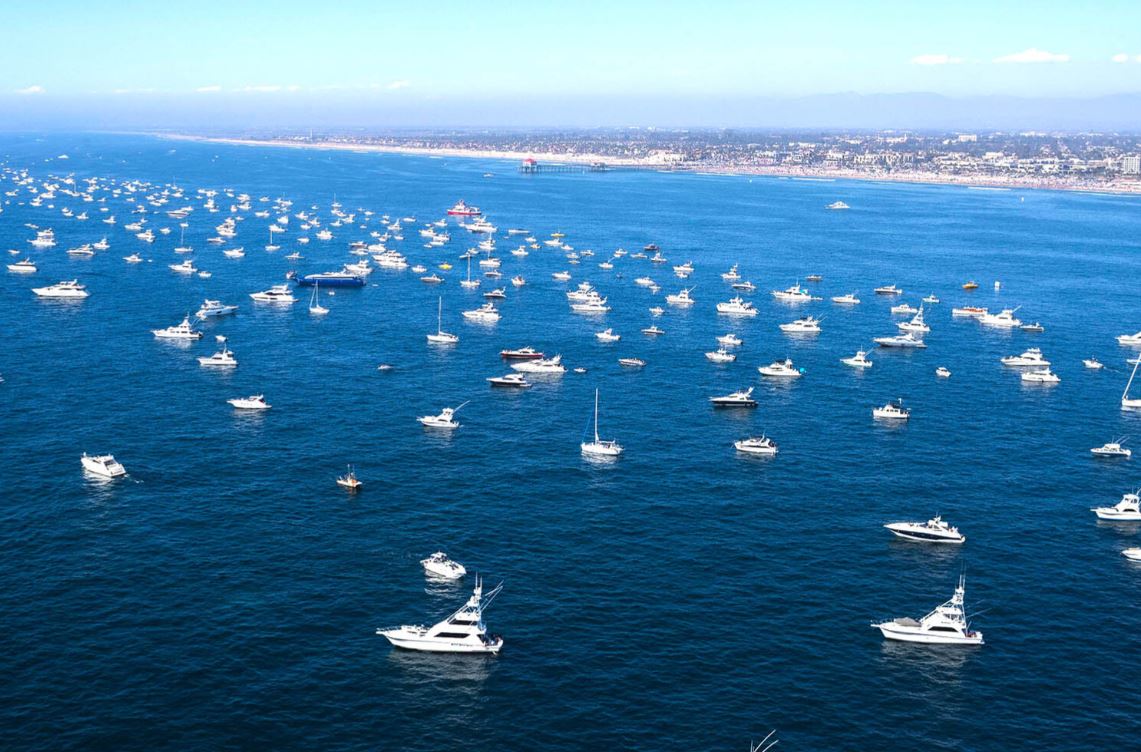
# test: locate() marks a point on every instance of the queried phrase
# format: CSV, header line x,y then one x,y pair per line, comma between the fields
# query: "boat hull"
x,y
905,634
438,646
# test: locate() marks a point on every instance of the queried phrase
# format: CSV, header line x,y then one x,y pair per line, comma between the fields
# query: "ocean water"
x,y
226,594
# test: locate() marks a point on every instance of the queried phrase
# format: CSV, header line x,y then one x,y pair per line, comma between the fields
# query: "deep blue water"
x,y
227,593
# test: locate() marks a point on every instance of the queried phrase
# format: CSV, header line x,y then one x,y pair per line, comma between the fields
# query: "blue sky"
x,y
464,60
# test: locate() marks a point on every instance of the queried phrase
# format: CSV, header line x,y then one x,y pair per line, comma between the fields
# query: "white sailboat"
x,y
315,307
600,447
441,337
1126,402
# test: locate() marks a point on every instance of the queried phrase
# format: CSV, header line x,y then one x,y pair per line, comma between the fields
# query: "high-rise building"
x,y
1131,164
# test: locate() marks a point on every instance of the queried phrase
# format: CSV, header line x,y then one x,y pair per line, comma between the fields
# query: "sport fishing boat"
x,y
934,530
349,480
859,360
761,445
462,632
1031,358
904,309
736,399
732,275
600,447
630,363
730,340
1040,376
794,294
485,314
738,306
653,330
908,340
439,565
1112,449
892,411
849,299
781,369
916,324
213,309
721,355
888,290
681,298
182,330
946,625
65,289
1004,319
970,312
1093,364
1126,510
943,372
221,359
1130,340
806,325
607,335
185,267
446,418
971,285
253,402
463,210
104,465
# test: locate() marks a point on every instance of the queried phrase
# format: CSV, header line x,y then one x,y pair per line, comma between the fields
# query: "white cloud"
x,y
936,60
1033,55
31,90
293,87
261,88
393,86
1138,58
208,89
1120,57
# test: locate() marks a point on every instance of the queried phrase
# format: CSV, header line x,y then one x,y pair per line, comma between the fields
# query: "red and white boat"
x,y
523,353
463,210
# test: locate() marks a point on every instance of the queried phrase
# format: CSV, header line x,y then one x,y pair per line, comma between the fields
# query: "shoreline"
x,y
1127,188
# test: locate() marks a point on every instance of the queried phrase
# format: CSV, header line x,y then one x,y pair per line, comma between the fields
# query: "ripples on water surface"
x,y
226,594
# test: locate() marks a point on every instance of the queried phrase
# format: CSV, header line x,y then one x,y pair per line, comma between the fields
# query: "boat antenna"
x,y
763,745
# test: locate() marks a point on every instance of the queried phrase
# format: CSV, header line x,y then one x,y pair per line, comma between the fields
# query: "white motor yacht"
x,y
561,276
439,565
485,314
597,305
653,330
761,445
969,312
221,359
946,625
253,402
1112,449
1130,340
349,480
134,258
1004,319
446,418
1133,554
1040,376
551,365
1093,364
916,324
1126,510
104,465
931,299
509,381
607,335
943,372
681,298
781,369
462,632
837,206
736,399
849,299
730,340
644,282
907,340
181,330
731,275
738,306
234,253
518,280
806,325
934,530
186,267
859,360
1032,358
600,447
213,309
904,309
721,355
64,289
281,294
23,267
888,290
892,411
629,363
794,294
745,286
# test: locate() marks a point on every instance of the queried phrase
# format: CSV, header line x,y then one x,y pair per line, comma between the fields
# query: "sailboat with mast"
x,y
1128,403
182,246
600,447
315,306
469,283
441,337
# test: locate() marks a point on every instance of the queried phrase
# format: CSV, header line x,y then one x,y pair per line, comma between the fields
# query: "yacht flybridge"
x,y
737,306
736,399
221,359
600,447
181,330
1126,510
65,289
946,625
462,632
1004,319
794,294
213,309
806,325
934,530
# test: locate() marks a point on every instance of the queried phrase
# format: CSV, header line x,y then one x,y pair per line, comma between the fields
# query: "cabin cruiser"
x,y
684,270
730,340
746,286
736,399
43,239
1034,328
518,280
971,285
892,411
653,330
681,298
1112,449
349,480
731,275
584,292
931,299
253,402
65,289
934,530
888,290
630,363
1032,358
23,267
511,381
859,360
1126,510
738,306
463,210
971,312
213,309
1040,376
522,353
916,324
275,294
552,365
134,258
644,282
597,305
721,355
849,299
462,632
445,419
943,372
182,330
908,340
1093,364
1002,320
486,313
806,325
186,267
838,206
761,445
607,335
781,369
561,276
794,294
904,309
432,279
102,464
1130,340
439,565
234,253
946,625
600,447
221,359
